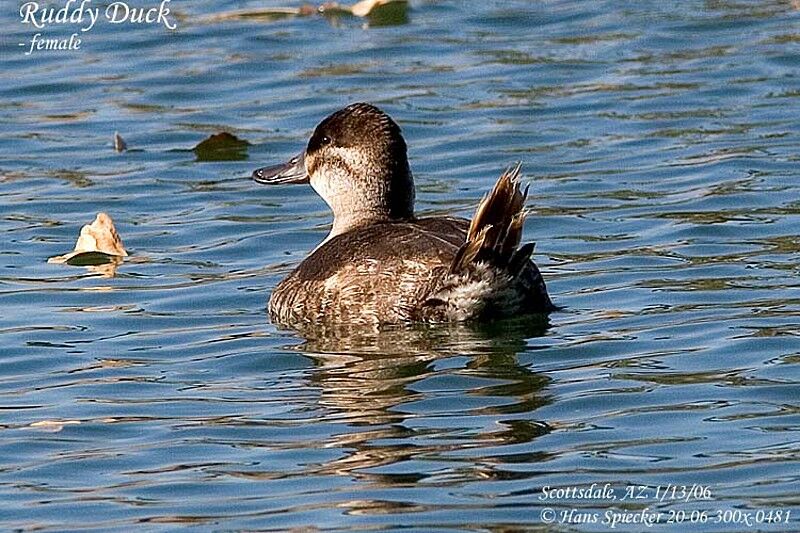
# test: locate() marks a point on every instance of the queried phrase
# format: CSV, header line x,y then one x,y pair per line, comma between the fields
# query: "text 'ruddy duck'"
x,y
83,14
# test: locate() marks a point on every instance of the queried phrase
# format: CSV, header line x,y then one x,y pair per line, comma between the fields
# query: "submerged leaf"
x,y
90,259
222,147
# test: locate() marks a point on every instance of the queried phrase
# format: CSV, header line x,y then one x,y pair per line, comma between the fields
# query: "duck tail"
x,y
496,228
491,274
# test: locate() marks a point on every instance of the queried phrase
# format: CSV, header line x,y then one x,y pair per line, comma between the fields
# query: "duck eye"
x,y
325,140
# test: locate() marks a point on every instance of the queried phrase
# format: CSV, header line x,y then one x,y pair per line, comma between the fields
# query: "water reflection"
x,y
385,386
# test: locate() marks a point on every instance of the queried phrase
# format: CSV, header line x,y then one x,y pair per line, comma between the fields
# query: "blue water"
x,y
661,142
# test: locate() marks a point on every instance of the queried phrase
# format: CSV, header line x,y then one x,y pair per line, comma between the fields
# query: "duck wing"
x,y
377,274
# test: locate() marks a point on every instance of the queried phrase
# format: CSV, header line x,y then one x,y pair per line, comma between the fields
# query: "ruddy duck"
x,y
381,264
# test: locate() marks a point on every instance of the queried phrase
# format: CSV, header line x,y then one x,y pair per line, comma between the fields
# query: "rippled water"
x,y
661,141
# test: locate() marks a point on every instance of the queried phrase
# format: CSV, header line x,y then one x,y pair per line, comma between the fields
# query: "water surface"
x,y
661,141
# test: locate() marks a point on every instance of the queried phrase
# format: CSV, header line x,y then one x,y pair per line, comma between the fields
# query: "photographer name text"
x,y
573,505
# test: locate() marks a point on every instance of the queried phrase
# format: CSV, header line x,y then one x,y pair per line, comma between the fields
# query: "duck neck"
x,y
368,202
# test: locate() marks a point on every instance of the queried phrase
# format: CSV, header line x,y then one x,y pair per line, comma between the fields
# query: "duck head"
x,y
357,161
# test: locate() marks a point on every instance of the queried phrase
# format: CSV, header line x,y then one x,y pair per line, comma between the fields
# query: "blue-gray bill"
x,y
292,171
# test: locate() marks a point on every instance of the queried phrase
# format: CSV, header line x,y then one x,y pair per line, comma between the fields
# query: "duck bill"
x,y
292,171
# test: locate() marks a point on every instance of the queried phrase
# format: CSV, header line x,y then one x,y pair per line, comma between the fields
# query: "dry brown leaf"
x,y
365,7
98,243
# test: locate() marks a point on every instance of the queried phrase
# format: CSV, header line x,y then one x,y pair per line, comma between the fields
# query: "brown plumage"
x,y
439,269
491,275
381,264
496,228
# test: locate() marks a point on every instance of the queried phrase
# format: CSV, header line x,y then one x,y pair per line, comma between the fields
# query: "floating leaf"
x,y
119,143
90,259
98,247
379,12
53,426
222,147
369,8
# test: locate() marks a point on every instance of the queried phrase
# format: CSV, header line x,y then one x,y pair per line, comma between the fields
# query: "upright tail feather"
x,y
496,228
491,274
